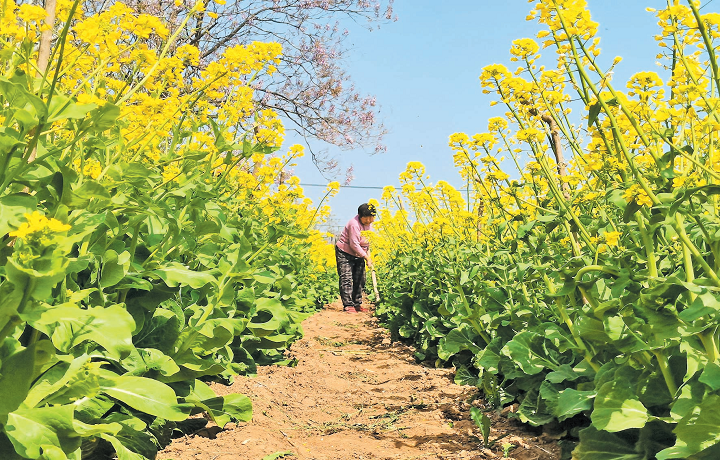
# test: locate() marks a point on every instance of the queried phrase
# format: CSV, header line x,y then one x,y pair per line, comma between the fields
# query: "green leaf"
x,y
12,209
175,274
32,431
593,113
7,450
483,422
460,338
601,445
697,431
528,352
711,376
617,406
489,358
123,453
277,455
80,197
45,273
265,277
229,408
134,441
114,268
534,407
18,372
571,402
463,376
104,117
17,96
69,326
65,383
270,316
564,372
146,395
62,108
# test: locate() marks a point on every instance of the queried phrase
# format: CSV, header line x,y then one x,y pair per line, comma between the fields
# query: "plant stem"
x,y
648,245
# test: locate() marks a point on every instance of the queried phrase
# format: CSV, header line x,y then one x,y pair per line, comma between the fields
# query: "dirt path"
x,y
356,395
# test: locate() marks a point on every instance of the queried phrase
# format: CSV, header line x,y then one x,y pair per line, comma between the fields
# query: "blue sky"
x,y
424,71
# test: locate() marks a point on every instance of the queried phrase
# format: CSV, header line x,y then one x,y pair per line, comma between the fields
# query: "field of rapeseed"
x,y
149,239
584,282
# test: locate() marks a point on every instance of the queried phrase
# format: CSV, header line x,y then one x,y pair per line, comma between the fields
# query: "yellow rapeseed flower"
x,y
32,13
38,223
612,238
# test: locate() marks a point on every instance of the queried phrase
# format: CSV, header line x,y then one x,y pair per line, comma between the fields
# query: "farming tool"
x,y
374,281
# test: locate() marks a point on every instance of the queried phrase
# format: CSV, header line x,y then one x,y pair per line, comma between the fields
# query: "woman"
x,y
351,254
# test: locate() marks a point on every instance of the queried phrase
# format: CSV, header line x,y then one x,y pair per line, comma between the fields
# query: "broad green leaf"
x,y
65,383
32,430
275,341
489,358
10,143
44,275
80,198
690,397
7,450
158,361
146,395
18,372
704,304
123,453
212,335
601,445
528,352
265,277
697,431
104,117
711,376
461,338
270,316
134,442
175,274
617,406
564,372
12,209
534,409
229,408
20,98
463,376
144,360
62,108
69,326
571,402
114,268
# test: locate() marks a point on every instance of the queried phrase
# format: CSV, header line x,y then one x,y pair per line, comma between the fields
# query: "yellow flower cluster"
x,y
181,125
37,226
114,56
638,141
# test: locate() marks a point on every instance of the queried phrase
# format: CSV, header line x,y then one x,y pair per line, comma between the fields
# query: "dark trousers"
x,y
351,271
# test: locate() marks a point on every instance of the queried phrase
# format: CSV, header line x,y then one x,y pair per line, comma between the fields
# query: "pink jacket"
x,y
352,241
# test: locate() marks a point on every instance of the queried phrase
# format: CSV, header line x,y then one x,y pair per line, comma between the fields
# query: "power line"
x,y
360,186
342,186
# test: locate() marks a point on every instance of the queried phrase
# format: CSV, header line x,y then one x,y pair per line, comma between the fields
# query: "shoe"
x,y
350,310
362,309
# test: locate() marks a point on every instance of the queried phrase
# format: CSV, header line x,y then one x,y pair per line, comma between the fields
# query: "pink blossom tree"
x,y
311,89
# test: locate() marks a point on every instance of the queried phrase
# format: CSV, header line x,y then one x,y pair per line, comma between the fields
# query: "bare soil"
x,y
356,395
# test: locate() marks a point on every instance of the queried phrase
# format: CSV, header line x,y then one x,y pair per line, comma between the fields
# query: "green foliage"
x,y
608,341
132,291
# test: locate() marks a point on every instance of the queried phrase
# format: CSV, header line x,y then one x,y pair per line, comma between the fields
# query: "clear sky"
x,y
424,71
